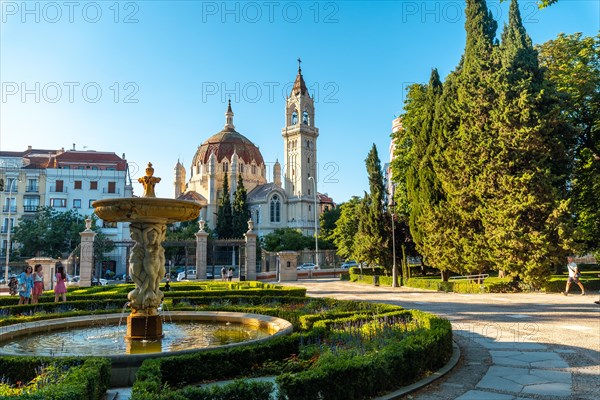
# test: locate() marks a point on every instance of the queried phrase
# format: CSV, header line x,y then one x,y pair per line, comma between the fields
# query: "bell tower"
x,y
300,140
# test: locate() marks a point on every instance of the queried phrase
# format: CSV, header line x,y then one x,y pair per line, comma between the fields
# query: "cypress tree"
x,y
371,243
524,210
224,215
241,212
423,189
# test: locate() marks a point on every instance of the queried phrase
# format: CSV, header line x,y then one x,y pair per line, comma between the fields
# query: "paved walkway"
x,y
514,346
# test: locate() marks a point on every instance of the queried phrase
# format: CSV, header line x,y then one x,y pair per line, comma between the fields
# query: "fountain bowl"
x,y
146,210
125,366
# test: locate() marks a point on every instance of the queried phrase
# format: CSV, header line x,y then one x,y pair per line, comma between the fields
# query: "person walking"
x,y
38,284
573,276
25,285
230,274
223,274
60,290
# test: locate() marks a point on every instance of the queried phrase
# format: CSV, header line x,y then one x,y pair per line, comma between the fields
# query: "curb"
x,y
426,381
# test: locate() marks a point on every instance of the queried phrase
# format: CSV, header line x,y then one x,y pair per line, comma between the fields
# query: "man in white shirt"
x,y
573,276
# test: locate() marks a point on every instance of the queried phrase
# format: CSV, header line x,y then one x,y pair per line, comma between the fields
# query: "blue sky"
x,y
151,79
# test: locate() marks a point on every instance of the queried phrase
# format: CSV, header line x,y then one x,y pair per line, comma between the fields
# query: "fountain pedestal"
x,y
142,326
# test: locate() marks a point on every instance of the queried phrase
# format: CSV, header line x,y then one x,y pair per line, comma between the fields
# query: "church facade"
x,y
289,199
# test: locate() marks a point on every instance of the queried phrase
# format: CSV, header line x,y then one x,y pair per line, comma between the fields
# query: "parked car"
x,y
99,282
349,264
191,274
307,267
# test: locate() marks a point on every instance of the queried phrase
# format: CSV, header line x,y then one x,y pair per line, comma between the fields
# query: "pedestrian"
x,y
223,274
168,285
230,274
60,290
38,284
573,276
13,285
25,285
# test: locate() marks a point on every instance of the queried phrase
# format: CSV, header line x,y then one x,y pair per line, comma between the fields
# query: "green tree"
x,y
224,213
346,226
327,221
50,233
572,64
241,211
287,239
462,129
372,243
521,189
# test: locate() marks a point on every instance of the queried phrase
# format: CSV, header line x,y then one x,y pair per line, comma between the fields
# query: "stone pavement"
x,y
514,346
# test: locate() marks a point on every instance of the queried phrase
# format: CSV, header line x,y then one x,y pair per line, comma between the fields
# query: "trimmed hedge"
x,y
85,378
426,347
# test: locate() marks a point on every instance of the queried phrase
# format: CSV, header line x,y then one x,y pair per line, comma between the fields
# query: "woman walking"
x,y
38,284
25,285
60,289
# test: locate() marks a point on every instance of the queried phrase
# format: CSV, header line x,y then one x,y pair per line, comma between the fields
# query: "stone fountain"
x,y
148,217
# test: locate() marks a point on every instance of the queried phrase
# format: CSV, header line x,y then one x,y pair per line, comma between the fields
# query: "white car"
x,y
191,274
307,266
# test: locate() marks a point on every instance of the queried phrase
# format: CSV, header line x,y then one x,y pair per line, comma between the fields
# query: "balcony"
x,y
32,189
108,191
11,209
54,189
4,229
30,208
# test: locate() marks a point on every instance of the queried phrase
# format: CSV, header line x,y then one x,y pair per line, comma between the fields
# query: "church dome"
x,y
227,142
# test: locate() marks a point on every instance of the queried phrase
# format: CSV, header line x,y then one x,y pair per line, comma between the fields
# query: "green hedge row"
x,y
396,365
56,308
84,378
427,348
557,284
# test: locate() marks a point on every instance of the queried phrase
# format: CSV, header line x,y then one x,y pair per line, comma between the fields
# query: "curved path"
x,y
514,346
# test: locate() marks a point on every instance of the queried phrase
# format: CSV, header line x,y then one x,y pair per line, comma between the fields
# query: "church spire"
x,y
229,117
299,85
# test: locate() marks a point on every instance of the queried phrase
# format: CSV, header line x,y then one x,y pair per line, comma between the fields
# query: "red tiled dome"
x,y
223,144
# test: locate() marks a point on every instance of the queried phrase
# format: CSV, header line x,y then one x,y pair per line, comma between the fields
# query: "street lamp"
x,y
316,224
10,191
394,270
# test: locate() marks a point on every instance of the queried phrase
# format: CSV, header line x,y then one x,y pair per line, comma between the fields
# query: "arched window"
x,y
257,216
225,166
253,169
294,118
275,209
305,118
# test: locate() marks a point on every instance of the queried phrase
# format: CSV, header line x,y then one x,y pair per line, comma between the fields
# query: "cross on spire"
x,y
299,66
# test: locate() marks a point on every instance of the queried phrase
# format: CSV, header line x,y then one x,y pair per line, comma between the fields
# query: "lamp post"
x,y
10,191
316,224
394,269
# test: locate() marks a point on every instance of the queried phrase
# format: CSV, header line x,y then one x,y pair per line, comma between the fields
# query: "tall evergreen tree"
x,y
241,211
423,188
525,178
372,239
463,128
224,214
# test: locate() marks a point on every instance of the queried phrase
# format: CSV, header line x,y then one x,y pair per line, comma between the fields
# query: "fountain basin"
x,y
146,209
124,366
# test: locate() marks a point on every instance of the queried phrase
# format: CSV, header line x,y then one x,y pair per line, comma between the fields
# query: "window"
x,y
76,203
112,187
90,203
58,203
257,216
77,185
59,188
5,225
275,208
32,185
309,208
225,166
10,205
106,224
294,118
241,168
253,169
31,204
11,185
305,118
93,185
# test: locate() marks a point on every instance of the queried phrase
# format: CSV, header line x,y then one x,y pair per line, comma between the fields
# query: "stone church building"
x,y
289,199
